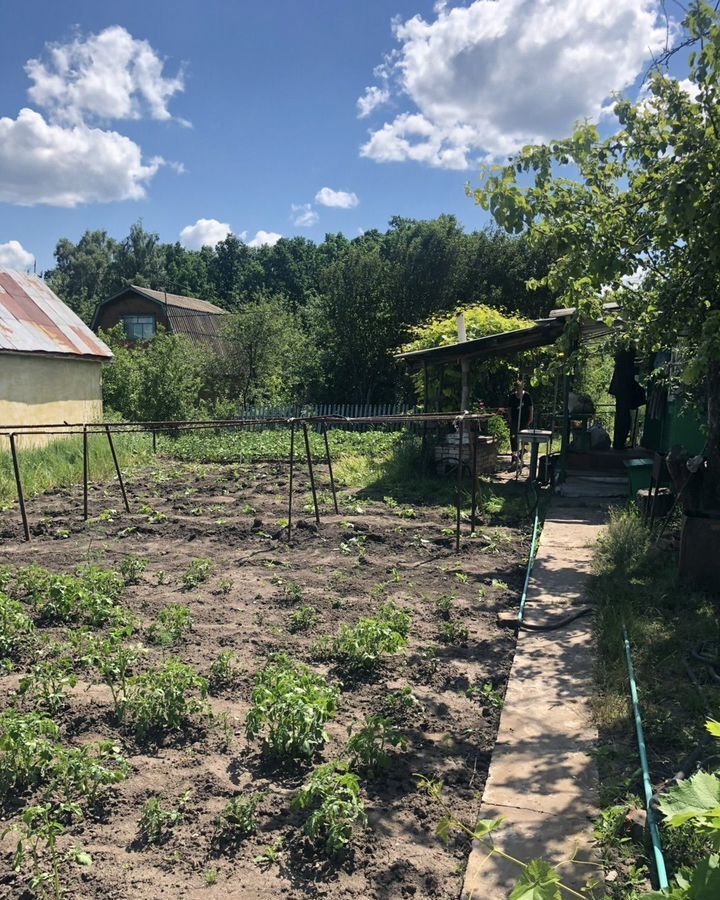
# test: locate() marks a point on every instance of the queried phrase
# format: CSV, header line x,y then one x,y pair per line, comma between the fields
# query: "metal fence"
x,y
345,410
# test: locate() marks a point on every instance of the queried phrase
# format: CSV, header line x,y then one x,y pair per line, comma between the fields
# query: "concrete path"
x,y
543,778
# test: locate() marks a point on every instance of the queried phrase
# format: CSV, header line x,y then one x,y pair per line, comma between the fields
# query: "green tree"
x,y
158,380
262,359
83,273
637,219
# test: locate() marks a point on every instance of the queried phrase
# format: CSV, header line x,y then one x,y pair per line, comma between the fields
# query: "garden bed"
x,y
257,596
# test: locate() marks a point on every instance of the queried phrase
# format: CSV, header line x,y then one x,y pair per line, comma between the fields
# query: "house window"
x,y
139,328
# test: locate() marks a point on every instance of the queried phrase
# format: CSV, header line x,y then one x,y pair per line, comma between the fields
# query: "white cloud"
x,y
371,99
303,215
265,238
58,166
340,199
14,256
110,75
204,233
489,77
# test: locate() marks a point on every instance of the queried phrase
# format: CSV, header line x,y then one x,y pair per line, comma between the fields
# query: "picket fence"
x,y
346,410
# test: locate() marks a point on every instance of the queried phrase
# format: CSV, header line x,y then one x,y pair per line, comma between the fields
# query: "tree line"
x,y
314,322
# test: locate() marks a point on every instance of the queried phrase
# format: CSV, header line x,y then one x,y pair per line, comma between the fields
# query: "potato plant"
x,y
224,672
173,621
163,699
27,750
368,746
332,794
303,619
83,774
16,629
290,706
238,820
156,820
362,646
90,595
197,573
39,829
48,682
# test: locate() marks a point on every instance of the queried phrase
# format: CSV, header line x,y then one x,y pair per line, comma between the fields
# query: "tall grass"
x,y
636,584
60,463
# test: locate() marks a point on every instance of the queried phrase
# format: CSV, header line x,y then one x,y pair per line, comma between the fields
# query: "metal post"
x,y
475,432
154,437
459,485
290,491
18,484
85,472
329,462
117,468
312,474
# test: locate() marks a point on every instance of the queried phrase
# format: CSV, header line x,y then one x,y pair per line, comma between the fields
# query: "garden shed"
x,y
141,311
50,361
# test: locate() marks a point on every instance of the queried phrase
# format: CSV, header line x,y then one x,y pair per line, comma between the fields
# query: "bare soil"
x,y
232,515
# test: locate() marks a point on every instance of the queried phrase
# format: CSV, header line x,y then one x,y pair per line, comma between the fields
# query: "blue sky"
x,y
240,114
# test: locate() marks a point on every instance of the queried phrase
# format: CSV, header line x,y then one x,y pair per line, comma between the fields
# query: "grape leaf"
x,y
705,879
713,727
539,882
483,827
699,796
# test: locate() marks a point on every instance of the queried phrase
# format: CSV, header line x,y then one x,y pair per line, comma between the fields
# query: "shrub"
x,y
239,818
27,750
333,794
157,701
624,545
362,645
16,629
290,708
173,621
368,746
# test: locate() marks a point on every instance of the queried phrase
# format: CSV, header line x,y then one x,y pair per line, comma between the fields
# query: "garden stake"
x,y
18,483
459,484
329,462
475,435
312,475
117,468
292,467
85,472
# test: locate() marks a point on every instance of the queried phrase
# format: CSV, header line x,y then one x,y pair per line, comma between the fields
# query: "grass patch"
x,y
636,584
60,463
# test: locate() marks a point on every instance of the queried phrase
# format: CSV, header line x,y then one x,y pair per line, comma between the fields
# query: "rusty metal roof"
x,y
34,320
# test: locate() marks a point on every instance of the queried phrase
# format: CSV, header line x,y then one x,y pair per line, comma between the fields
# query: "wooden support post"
x,y
475,436
18,485
85,472
117,468
290,488
329,462
458,498
312,474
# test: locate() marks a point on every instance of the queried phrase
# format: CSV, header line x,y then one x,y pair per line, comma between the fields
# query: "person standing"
x,y
521,413
628,394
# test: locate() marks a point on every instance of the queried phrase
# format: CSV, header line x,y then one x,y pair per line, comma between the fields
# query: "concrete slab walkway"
x,y
543,779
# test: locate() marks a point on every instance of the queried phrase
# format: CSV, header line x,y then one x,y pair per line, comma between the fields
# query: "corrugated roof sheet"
x,y
177,300
34,320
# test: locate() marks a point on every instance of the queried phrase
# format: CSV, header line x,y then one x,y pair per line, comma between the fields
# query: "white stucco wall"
x,y
38,390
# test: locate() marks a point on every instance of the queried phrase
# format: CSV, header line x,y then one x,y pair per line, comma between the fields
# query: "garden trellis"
x,y
471,424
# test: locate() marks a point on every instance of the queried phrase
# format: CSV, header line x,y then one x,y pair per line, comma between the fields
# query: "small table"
x,y
535,437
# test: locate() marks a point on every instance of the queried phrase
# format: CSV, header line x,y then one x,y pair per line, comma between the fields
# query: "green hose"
x,y
647,786
531,560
